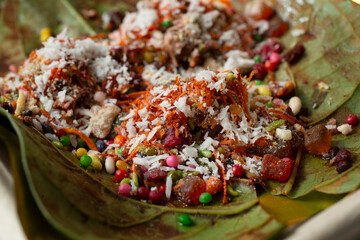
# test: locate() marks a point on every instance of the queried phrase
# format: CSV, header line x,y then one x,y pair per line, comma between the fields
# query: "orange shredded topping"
x,y
86,139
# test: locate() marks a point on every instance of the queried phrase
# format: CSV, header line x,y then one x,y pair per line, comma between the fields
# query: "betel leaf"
x,y
71,222
11,50
267,231
19,36
101,7
332,56
52,177
34,224
22,22
291,211
56,15
316,174
329,58
62,205
350,181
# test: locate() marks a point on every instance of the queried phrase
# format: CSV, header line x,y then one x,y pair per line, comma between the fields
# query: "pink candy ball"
x,y
275,58
99,96
13,68
172,161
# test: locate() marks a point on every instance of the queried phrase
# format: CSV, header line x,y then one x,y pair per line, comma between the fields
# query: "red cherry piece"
x,y
143,193
171,140
162,188
276,168
270,65
238,170
156,197
60,133
260,71
125,190
352,119
155,174
120,174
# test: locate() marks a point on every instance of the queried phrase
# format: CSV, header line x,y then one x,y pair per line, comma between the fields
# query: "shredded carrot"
x,y
251,75
255,156
124,102
133,168
286,117
132,154
226,142
45,113
178,185
13,103
86,139
239,157
223,174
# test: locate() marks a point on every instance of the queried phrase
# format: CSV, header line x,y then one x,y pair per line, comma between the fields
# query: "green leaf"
x,y
351,180
267,231
332,55
81,204
11,50
234,226
291,211
331,41
54,178
56,15
315,173
34,224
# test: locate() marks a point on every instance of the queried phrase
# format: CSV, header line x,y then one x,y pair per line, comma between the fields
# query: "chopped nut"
x,y
295,105
283,134
345,129
102,119
299,128
20,104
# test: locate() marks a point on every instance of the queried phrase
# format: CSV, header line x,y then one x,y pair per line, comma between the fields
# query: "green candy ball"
x,y
85,161
185,220
205,197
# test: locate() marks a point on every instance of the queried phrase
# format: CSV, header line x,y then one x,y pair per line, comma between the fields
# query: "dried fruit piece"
x,y
189,189
317,140
294,54
343,155
258,10
171,140
343,166
268,48
213,185
260,71
277,27
276,168
155,174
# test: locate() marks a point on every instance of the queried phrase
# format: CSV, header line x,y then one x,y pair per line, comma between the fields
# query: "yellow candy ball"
x,y
81,152
264,91
96,163
45,34
122,165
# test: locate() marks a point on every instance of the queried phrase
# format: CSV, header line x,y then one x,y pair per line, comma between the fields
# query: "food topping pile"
x,y
177,103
